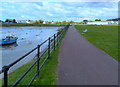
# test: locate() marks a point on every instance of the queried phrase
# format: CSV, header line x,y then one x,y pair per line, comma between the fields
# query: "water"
x,y
28,38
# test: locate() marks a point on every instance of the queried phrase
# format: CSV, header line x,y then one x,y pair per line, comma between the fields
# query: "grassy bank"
x,y
103,37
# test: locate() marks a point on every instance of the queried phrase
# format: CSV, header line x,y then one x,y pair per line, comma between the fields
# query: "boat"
x,y
8,40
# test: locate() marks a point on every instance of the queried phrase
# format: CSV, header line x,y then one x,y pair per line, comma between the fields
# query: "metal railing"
x,y
52,43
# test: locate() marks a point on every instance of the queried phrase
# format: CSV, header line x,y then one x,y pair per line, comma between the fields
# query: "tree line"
x,y
11,20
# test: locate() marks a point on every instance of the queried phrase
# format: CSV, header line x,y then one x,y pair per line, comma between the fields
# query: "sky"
x,y
58,11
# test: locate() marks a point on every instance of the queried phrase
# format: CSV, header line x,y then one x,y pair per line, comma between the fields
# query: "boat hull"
x,y
8,42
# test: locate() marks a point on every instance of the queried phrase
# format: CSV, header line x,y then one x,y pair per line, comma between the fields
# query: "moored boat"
x,y
8,40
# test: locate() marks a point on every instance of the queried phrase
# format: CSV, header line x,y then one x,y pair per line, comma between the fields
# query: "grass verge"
x,y
103,37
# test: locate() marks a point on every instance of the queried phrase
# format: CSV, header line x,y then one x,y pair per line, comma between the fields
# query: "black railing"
x,y
52,43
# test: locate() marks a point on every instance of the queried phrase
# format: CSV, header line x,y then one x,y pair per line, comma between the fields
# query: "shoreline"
x,y
19,25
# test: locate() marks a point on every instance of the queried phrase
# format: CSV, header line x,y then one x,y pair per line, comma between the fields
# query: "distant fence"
x,y
52,43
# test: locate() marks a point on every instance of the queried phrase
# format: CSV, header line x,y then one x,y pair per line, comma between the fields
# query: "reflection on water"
x,y
10,46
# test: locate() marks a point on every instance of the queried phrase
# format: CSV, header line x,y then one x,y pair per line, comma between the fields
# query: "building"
x,y
53,22
45,22
24,21
102,22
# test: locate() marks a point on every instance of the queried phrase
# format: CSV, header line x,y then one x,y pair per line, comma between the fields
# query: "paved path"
x,y
81,63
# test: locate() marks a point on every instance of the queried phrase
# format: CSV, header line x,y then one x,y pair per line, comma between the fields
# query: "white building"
x,y
53,22
24,21
102,22
113,22
45,22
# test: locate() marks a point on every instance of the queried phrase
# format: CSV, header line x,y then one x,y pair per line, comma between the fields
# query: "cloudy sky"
x,y
58,11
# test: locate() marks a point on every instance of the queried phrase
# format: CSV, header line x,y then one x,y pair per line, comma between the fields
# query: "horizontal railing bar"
x,y
43,63
43,52
47,39
44,42
51,50
32,79
51,44
56,44
52,36
22,57
25,73
37,71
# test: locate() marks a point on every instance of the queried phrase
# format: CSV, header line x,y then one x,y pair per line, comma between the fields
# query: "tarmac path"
x,y
81,63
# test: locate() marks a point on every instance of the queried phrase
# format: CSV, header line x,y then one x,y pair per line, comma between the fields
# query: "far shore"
x,y
18,25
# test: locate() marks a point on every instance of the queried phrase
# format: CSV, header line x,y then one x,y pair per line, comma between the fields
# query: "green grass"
x,y
103,37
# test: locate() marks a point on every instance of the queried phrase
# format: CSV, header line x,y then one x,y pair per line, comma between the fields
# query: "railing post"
x,y
62,33
54,41
60,36
5,68
49,48
57,38
38,56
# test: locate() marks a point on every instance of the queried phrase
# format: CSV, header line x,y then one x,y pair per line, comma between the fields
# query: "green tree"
x,y
64,22
8,20
85,20
49,22
90,20
97,19
71,22
36,22
41,21
14,21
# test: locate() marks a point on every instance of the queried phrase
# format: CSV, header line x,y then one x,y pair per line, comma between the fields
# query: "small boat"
x,y
8,40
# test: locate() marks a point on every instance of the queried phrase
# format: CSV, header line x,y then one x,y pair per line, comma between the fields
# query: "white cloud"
x,y
22,16
12,6
59,0
49,14
60,10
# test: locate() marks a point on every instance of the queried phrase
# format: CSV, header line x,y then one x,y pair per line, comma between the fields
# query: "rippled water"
x,y
28,38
